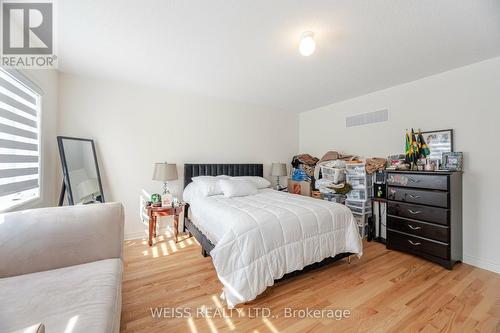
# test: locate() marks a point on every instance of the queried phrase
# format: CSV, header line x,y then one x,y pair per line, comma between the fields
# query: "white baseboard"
x,y
481,263
136,235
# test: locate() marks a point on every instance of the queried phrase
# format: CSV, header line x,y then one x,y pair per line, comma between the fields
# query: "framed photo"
x,y
167,200
432,164
453,161
439,142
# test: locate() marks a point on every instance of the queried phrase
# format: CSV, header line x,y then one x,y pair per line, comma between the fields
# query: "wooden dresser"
x,y
424,215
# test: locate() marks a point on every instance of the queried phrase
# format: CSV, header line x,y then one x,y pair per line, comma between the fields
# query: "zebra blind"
x,y
19,142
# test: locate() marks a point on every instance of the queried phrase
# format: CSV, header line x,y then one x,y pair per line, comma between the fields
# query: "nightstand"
x,y
154,212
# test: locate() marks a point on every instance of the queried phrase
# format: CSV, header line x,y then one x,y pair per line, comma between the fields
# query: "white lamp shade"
x,y
278,169
165,172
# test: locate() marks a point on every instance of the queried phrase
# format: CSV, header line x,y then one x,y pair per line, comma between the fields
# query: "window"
x,y
19,140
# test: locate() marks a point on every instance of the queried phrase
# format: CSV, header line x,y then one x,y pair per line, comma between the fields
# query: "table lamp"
x,y
165,172
278,170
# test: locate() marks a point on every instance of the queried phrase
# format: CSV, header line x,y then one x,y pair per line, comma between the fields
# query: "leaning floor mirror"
x,y
82,181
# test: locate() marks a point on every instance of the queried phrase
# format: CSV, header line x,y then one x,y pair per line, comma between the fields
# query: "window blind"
x,y
19,141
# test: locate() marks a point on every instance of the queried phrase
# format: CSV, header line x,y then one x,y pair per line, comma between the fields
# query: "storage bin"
x,y
360,195
359,207
323,183
360,210
355,169
326,190
359,181
357,203
338,198
335,175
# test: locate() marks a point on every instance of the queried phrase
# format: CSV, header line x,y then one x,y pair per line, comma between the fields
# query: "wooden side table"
x,y
154,212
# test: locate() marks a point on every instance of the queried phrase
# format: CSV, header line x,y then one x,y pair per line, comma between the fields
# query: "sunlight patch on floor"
x,y
228,320
173,247
154,252
192,326
210,321
164,250
270,325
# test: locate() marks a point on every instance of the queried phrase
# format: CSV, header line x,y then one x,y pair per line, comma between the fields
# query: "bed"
x,y
258,239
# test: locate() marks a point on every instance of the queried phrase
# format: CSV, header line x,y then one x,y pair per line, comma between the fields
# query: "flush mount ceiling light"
x,y
307,44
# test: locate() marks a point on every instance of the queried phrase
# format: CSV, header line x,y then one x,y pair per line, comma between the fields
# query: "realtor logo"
x,y
27,35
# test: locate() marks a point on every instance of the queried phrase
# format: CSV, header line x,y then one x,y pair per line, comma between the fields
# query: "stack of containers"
x,y
359,198
332,173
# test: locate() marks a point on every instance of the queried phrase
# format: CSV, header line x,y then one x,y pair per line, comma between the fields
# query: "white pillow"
x,y
237,187
211,177
259,182
191,192
209,185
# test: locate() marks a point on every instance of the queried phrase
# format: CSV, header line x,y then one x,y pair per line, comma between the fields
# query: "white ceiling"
x,y
246,50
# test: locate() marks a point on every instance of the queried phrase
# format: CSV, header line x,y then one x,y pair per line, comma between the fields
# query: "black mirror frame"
x,y
67,183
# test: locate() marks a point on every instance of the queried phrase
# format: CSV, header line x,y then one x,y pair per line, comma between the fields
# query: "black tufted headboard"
x,y
193,170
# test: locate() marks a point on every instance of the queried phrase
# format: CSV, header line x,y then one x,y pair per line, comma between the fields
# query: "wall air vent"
x,y
367,118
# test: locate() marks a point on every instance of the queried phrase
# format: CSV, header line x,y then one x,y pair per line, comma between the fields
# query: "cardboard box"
x,y
302,188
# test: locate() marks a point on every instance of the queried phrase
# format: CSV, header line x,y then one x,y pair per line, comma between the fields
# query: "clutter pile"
x,y
330,175
375,164
338,178
302,174
397,162
306,163
331,185
329,157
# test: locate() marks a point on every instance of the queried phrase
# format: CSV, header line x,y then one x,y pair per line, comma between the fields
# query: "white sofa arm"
x,y
48,238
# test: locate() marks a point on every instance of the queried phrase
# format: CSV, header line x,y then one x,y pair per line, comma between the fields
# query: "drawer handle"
x,y
414,244
414,180
414,212
415,196
413,227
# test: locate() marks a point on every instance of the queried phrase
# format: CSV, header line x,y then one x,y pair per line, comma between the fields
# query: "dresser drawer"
x,y
435,182
418,212
416,245
422,197
431,231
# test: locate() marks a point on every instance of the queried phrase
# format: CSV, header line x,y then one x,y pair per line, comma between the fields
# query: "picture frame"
x,y
453,161
439,142
432,164
167,200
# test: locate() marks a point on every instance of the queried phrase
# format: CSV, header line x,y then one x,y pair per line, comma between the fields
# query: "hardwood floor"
x,y
385,291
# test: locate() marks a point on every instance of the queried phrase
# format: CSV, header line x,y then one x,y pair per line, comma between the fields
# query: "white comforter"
x,y
267,235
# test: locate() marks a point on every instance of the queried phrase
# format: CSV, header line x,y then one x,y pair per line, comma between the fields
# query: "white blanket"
x,y
264,236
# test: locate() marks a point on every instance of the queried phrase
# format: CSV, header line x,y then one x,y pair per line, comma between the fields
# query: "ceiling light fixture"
x,y
307,44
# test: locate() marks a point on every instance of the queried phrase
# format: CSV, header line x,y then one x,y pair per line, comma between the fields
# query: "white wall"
x,y
135,126
466,99
47,80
